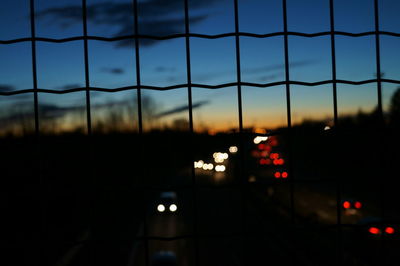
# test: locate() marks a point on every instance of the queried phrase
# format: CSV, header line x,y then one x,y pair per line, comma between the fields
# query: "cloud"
x,y
113,70
156,17
162,69
201,77
70,86
6,88
180,109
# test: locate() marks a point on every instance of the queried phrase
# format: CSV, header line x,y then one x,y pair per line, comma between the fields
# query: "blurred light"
x,y
374,230
219,157
160,208
259,139
220,168
281,161
284,175
261,146
357,205
274,142
233,149
260,131
198,164
327,127
346,205
208,166
268,161
389,230
277,175
252,179
173,208
218,160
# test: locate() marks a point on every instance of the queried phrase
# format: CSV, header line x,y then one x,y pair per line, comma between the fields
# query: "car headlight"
x,y
161,208
173,208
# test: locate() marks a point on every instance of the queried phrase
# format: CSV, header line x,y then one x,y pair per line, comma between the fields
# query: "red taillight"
x,y
277,175
274,156
374,230
358,205
389,230
284,175
346,205
261,146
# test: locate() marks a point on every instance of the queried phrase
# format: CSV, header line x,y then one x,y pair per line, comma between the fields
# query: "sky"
x,y
163,63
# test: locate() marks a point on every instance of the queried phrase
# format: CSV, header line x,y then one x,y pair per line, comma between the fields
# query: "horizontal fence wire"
x,y
202,36
204,86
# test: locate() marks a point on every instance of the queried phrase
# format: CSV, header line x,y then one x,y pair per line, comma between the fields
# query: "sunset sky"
x,y
163,63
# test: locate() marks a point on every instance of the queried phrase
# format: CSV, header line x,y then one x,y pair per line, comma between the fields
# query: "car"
x,y
164,258
167,203
376,228
351,207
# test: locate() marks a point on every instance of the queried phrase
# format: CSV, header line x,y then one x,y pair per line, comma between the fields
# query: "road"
x,y
236,224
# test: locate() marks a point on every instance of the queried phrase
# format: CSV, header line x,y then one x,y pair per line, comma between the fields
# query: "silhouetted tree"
x,y
394,111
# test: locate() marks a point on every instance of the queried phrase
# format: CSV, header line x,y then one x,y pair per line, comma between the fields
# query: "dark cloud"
x,y
156,17
6,88
113,70
254,70
180,109
70,86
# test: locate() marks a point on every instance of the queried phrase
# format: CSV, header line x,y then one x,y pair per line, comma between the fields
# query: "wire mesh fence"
x,y
244,187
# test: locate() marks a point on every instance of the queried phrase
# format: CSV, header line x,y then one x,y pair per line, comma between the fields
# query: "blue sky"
x,y
163,63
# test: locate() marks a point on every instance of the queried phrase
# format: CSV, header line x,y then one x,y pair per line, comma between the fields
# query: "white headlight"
x,y
173,208
233,149
161,208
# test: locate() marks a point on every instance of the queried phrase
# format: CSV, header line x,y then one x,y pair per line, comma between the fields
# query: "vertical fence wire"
x,y
338,180
86,61
190,105
242,176
289,131
42,187
379,94
381,122
140,121
288,109
92,200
